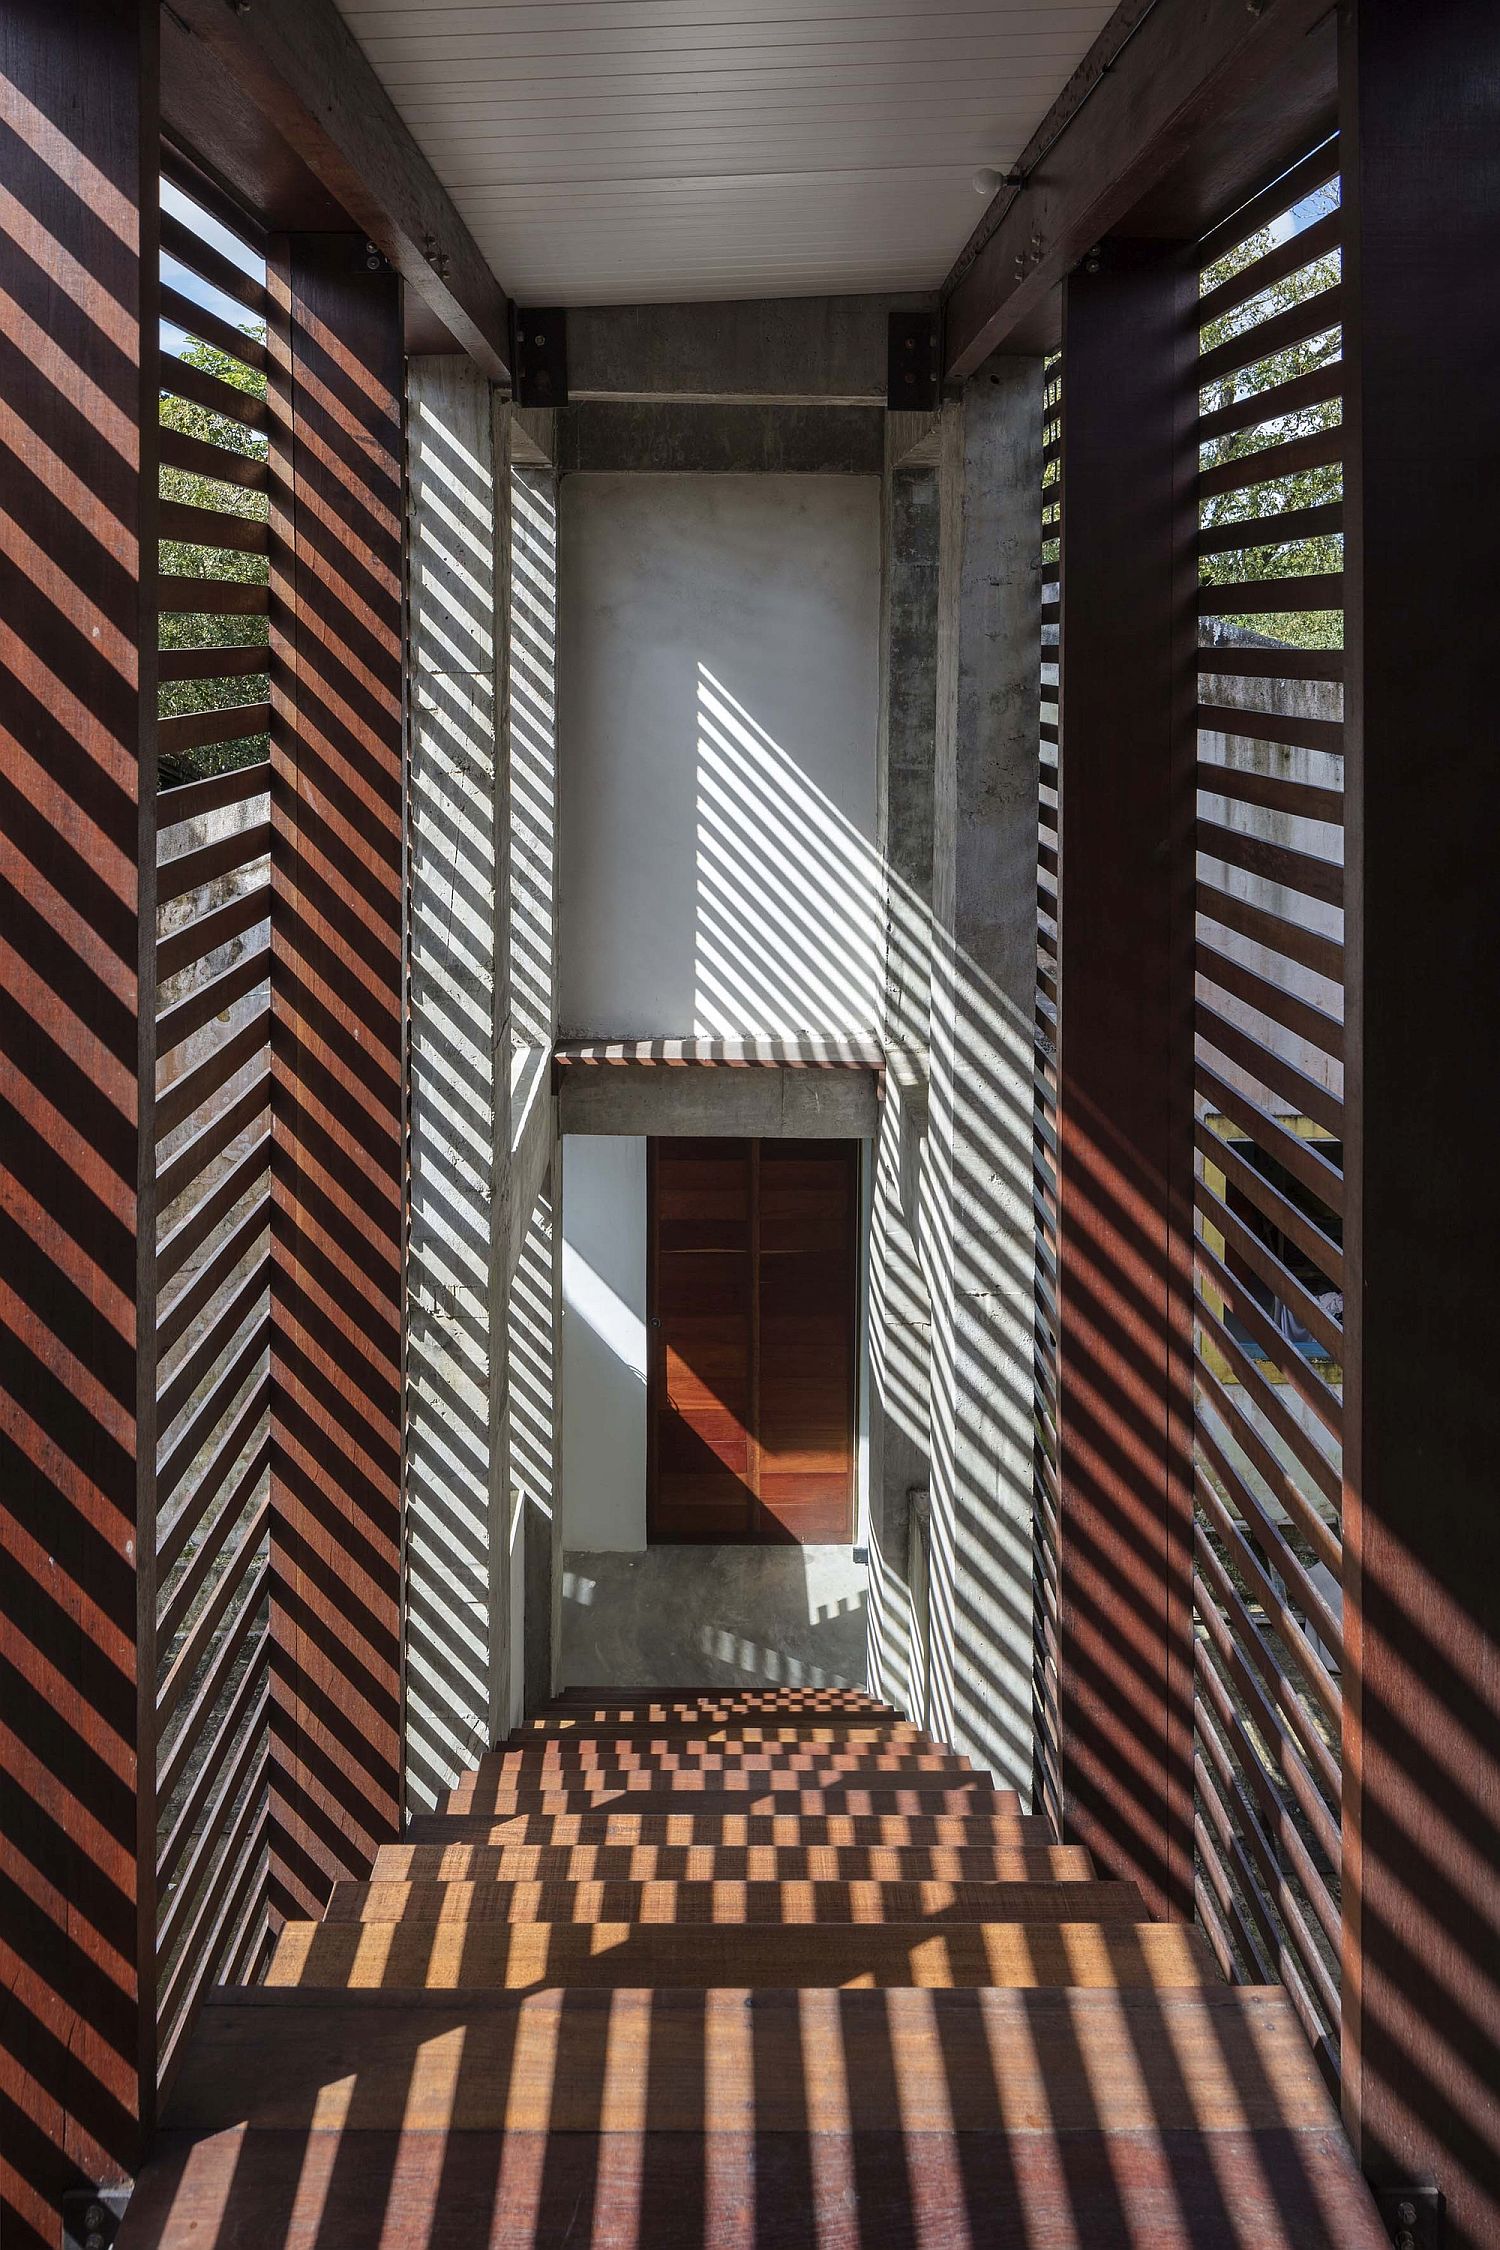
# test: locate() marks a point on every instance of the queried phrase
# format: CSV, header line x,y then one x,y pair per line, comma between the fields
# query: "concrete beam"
x,y
665,438
767,1103
794,350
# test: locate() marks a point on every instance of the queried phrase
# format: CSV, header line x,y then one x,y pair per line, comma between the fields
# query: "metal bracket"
x,y
1413,2216
539,373
914,362
91,2217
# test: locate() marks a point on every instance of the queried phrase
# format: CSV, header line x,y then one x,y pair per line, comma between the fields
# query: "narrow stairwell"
x,y
709,1971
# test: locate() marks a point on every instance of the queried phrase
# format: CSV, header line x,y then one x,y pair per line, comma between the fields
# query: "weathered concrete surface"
x,y
714,1617
899,1314
977,1233
662,437
457,1555
765,1103
828,349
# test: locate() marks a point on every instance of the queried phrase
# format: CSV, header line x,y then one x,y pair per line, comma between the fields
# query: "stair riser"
x,y
769,1903
715,1863
788,1831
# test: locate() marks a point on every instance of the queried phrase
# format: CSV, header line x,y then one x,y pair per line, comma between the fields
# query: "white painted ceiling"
x,y
649,151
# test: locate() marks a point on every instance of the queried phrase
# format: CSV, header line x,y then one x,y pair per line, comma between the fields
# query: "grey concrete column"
x,y
457,1595
899,1317
977,1232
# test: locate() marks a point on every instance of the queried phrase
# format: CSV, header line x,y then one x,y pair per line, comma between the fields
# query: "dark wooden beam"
x,y
305,70
1125,1096
336,1040
1152,86
78,380
1421,188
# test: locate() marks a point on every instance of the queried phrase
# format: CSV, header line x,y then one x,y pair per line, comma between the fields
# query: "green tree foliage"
x,y
181,559
1305,488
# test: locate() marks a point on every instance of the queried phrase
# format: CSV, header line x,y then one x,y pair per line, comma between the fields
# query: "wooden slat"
x,y
180,242
247,1708
1307,872
211,862
210,597
1292,524
207,932
1271,1203
1273,1001
1243,1671
1284,258
1323,310
213,527
195,457
1241,723
577,1764
1270,1808
1272,464
1258,1524
201,1428
198,730
1299,1155
192,800
1247,1561
185,313
1268,1341
1273,1957
177,1608
180,379
1265,1395
614,1827
214,1923
174,1320
1079,1954
1258,597
248,1752
195,1227
1305,1096
1321,386
1295,1709
233,663
241,1579
760,1794
172,1769
215,998
196,1088
197,1364
174,1535
1243,1243
1232,660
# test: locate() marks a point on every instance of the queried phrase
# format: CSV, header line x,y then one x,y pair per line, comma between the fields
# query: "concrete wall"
x,y
714,1617
718,666
604,1343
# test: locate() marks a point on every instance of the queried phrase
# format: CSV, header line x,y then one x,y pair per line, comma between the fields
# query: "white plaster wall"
x,y
604,1344
718,720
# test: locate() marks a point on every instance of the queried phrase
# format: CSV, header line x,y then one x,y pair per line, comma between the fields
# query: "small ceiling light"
x,y
987,180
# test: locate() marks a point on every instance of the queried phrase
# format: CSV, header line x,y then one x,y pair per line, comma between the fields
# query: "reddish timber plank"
x,y
518,1956
448,1861
726,1902
892,1830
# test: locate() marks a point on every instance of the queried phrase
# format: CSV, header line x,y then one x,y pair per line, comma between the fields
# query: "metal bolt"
x,y
1406,2240
1406,2212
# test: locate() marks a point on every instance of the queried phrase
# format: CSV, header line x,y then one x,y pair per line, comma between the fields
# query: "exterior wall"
x,y
718,726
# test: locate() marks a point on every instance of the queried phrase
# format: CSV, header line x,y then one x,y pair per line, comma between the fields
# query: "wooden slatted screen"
x,y
1048,1782
212,1116
752,1346
1268,1111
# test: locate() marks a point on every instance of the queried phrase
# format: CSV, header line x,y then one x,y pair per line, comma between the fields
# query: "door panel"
x,y
753,1339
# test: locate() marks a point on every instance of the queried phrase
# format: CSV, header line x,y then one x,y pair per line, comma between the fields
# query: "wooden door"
x,y
752,1299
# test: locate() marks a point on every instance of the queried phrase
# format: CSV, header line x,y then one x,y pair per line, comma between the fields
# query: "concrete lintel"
x,y
666,438
533,436
786,1103
797,350
912,441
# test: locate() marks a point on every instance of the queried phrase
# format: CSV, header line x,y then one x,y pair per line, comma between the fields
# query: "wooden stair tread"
x,y
448,1862
727,1902
665,1956
294,2190
672,1732
816,1760
767,1793
980,2060
893,1830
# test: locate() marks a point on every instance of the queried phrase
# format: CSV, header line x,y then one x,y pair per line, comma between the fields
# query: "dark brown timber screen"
x,y
1268,1097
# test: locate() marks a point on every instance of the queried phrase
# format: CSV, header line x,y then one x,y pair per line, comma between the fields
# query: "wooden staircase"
x,y
727,1971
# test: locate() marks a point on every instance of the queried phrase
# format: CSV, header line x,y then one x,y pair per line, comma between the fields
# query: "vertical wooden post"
x,y
78,155
1420,96
1125,1104
337,862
